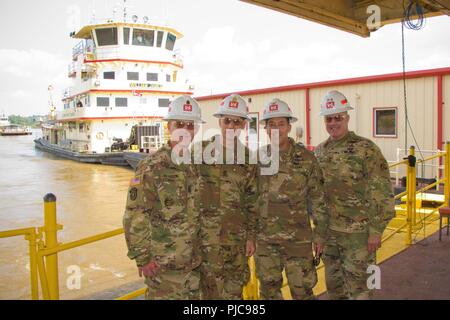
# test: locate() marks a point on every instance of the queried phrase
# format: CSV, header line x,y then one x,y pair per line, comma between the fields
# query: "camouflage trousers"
x,y
174,285
346,261
297,261
224,272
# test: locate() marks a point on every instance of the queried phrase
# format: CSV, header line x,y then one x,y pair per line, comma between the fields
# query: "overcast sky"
x,y
228,46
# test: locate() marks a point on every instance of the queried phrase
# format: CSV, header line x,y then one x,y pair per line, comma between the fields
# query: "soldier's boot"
x,y
302,277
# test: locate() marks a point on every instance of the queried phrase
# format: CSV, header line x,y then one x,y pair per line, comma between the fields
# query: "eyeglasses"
x,y
237,122
185,124
337,118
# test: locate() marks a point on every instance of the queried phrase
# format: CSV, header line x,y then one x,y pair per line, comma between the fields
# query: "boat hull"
x,y
15,133
133,158
113,158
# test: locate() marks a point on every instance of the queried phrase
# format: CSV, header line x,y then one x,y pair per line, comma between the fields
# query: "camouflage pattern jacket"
x,y
357,183
160,222
284,200
227,200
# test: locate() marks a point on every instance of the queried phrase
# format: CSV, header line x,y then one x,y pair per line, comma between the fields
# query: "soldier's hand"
x,y
149,270
373,243
250,248
318,248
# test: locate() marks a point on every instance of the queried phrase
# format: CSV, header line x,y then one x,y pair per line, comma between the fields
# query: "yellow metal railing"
x,y
43,250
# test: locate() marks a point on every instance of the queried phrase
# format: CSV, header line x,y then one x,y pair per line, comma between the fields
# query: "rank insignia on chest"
x,y
297,159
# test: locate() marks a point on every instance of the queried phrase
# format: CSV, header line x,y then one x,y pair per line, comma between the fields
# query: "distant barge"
x,y
112,158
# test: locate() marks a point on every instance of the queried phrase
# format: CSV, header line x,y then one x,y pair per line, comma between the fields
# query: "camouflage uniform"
x,y
285,236
357,182
227,202
161,225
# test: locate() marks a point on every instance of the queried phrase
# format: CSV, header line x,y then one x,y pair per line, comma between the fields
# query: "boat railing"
x,y
43,245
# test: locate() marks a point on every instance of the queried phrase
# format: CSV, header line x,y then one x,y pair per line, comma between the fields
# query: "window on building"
x,y
126,35
102,102
170,43
143,37
87,101
385,122
168,77
81,127
163,103
109,75
133,76
121,102
106,36
152,77
159,39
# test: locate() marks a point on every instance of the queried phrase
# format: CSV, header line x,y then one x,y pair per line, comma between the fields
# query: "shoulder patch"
x,y
135,181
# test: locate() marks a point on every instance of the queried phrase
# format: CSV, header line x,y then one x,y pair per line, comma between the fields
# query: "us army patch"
x,y
133,193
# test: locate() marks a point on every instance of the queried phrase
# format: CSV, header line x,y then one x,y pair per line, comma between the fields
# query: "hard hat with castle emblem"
x,y
277,108
184,108
334,102
233,105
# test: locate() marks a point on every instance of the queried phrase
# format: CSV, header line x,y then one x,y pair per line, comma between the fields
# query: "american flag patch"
x,y
135,182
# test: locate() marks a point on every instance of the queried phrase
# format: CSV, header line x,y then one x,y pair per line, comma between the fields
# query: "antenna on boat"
x,y
50,102
93,12
124,10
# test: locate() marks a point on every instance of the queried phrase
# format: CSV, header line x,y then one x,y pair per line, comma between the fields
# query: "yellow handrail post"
x,y
31,237
411,193
51,241
447,173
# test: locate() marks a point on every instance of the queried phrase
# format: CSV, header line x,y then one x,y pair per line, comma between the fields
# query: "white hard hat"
x,y
334,102
277,108
184,108
233,105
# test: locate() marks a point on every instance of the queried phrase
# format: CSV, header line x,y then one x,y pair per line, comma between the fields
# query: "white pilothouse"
x,y
124,73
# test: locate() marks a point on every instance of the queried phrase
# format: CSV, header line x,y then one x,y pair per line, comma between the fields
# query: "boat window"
x,y
121,102
163,103
102,102
133,76
87,101
168,77
126,35
170,43
109,75
385,122
107,36
81,127
143,37
152,77
159,39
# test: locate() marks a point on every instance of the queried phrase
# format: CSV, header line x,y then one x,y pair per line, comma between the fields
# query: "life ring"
x,y
99,135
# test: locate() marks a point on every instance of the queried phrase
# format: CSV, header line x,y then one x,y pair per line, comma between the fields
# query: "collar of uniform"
x,y
330,142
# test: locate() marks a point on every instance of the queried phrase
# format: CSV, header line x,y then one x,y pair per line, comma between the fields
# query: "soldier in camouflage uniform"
x,y
160,223
227,202
285,237
358,186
